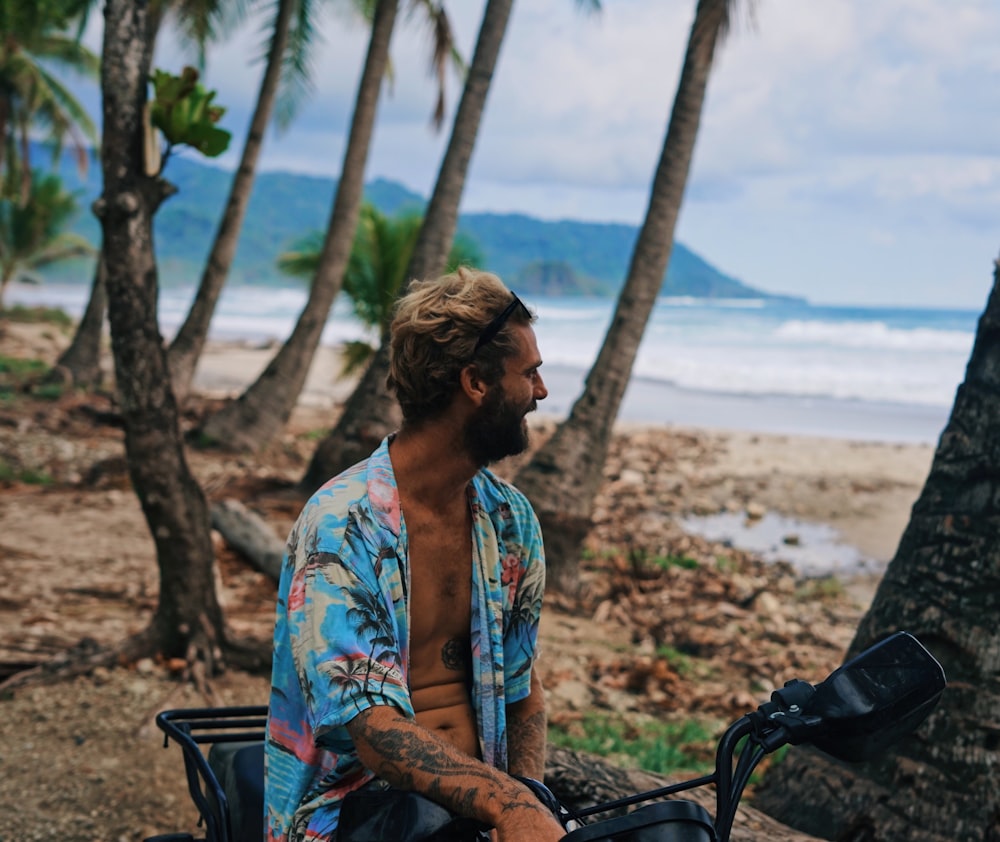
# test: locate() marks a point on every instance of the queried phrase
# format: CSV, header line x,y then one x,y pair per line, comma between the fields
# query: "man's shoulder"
x,y
326,513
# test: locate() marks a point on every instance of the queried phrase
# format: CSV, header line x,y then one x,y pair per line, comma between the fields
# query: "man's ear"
x,y
473,385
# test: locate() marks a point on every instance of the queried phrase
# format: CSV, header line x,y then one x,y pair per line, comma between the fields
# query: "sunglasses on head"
x,y
494,327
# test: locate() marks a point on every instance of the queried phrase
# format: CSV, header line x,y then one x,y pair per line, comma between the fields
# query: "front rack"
x,y
191,728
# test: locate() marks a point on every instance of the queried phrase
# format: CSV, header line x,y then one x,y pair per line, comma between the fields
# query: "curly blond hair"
x,y
434,333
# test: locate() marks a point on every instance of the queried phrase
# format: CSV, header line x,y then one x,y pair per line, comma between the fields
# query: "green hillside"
x,y
535,256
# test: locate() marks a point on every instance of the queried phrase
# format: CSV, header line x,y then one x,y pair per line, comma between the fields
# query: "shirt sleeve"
x,y
344,635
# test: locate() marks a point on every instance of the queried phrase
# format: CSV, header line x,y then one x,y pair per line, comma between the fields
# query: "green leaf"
x,y
183,111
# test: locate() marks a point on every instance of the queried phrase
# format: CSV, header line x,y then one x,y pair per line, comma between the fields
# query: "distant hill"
x,y
534,256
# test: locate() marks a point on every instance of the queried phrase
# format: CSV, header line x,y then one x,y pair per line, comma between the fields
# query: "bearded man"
x,y
409,600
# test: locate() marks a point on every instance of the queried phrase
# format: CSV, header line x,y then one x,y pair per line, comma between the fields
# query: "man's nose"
x,y
540,393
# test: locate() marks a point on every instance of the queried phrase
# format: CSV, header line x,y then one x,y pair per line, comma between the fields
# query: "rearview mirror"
x,y
876,698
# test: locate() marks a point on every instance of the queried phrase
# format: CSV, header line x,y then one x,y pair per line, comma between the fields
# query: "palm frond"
x,y
590,7
67,52
297,73
302,260
443,48
77,115
63,247
203,22
356,354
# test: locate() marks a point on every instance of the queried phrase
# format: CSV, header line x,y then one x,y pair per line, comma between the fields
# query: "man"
x,y
409,599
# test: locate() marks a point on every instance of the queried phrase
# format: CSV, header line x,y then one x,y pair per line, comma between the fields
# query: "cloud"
x,y
872,122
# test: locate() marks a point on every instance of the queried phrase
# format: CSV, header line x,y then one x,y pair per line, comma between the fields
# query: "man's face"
x,y
499,427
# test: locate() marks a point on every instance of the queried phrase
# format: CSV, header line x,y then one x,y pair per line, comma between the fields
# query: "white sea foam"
x,y
787,349
873,334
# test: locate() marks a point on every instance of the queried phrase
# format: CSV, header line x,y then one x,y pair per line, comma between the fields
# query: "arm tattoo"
x,y
526,745
447,775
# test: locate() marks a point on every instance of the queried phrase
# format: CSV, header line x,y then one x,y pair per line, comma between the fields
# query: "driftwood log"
x,y
249,535
582,780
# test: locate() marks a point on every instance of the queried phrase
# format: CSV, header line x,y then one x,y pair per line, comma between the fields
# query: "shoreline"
x,y
647,399
656,402
227,367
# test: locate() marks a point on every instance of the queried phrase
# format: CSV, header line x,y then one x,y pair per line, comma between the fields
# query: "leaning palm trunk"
x,y
371,412
81,361
190,340
563,478
943,584
264,408
187,617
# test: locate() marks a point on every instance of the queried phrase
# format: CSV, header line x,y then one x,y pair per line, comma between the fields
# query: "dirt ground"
x,y
80,759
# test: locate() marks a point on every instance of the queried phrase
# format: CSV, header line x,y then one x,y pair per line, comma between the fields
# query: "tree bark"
x,y
943,584
187,615
82,359
186,348
563,477
265,407
581,780
371,413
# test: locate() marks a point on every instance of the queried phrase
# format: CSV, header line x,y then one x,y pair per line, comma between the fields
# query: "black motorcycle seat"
x,y
239,769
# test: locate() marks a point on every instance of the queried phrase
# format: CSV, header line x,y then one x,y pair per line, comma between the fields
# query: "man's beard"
x,y
498,429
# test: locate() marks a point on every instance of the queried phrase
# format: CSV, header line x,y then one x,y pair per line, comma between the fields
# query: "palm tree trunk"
x,y
943,584
82,359
187,614
264,408
371,412
25,162
5,278
189,342
563,477
430,254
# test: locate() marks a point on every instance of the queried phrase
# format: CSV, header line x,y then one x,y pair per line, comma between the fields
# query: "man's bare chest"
x,y
440,583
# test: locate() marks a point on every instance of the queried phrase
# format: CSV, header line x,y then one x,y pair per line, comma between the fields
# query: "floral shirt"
x,y
341,635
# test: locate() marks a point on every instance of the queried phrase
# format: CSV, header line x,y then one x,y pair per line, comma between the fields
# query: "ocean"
x,y
869,373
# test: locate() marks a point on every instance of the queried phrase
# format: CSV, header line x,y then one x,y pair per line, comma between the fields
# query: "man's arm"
x,y
408,756
526,731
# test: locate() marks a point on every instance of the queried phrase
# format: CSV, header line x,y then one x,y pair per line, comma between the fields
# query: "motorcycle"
x,y
863,707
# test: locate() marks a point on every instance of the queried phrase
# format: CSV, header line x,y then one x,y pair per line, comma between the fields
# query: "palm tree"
x,y
375,271
287,30
34,38
943,584
563,477
375,275
290,45
267,403
33,235
371,412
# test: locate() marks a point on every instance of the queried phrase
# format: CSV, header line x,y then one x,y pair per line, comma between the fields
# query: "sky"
x,y
849,151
